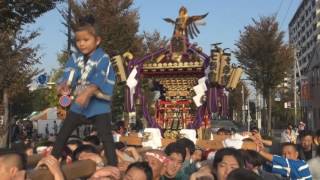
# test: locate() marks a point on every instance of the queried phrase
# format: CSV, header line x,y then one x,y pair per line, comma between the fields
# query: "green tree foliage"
x,y
17,56
265,57
153,41
116,23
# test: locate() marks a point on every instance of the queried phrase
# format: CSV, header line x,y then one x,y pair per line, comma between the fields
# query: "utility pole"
x,y
295,86
243,106
249,116
258,108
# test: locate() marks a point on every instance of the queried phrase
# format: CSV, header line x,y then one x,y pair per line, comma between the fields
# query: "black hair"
x,y
243,174
318,133
288,144
92,139
253,157
187,143
305,133
83,148
144,166
119,145
224,131
66,151
22,159
228,152
318,151
175,148
86,23
254,128
75,141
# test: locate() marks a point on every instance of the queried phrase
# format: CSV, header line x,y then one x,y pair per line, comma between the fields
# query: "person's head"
x,y
252,159
223,131
243,174
306,140
197,155
11,164
254,130
289,151
225,161
74,144
66,154
188,145
87,38
156,160
92,140
138,170
82,150
176,154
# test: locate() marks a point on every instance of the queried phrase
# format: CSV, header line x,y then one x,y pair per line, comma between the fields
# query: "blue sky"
x,y
225,20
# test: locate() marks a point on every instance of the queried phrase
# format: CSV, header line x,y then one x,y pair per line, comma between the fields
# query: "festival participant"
x,y
138,170
12,165
225,161
176,154
288,165
88,72
306,149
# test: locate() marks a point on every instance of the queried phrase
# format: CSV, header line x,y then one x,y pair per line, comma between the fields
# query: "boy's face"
x,y
228,164
173,165
86,42
290,152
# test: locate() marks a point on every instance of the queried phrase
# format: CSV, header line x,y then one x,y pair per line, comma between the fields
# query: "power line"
x,y
285,16
277,12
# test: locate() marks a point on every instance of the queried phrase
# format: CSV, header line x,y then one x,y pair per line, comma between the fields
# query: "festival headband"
x,y
161,158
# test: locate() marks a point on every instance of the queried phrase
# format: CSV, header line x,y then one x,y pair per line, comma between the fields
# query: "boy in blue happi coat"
x,y
90,74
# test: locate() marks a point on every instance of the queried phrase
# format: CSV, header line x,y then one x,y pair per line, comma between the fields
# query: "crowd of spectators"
x,y
182,159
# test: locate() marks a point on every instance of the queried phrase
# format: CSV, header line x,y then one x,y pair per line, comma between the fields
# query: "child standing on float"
x,y
88,72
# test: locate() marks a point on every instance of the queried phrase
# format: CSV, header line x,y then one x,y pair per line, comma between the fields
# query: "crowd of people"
x,y
181,159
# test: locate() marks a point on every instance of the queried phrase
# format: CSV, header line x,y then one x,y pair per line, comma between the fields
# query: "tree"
x,y
153,41
17,56
117,24
265,57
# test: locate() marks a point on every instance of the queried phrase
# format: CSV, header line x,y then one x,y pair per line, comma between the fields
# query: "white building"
x,y
304,31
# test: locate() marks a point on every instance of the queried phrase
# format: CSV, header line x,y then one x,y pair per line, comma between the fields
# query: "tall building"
x,y
304,36
304,31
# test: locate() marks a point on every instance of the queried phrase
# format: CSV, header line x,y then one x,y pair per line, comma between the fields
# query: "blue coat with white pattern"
x,y
98,71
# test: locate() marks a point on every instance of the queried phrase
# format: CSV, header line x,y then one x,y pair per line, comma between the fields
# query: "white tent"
x,y
47,116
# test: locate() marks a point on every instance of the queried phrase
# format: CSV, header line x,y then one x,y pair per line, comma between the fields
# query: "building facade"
x,y
304,31
304,36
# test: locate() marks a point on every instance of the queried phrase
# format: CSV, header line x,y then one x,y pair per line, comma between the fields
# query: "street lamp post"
x,y
243,105
295,87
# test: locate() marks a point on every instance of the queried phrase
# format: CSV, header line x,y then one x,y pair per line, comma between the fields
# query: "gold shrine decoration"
x,y
119,62
184,25
221,72
234,78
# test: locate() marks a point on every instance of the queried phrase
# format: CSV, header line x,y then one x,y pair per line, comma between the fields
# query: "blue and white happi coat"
x,y
292,169
98,71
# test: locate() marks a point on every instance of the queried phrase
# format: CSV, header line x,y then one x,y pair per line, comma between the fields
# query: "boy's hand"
x,y
84,96
63,88
83,99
